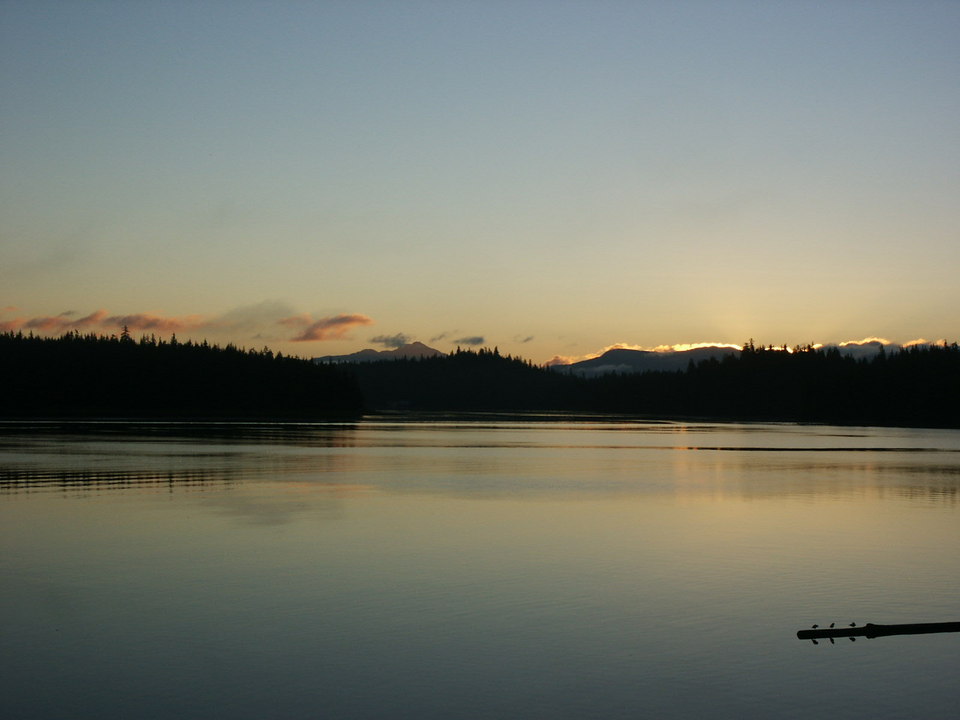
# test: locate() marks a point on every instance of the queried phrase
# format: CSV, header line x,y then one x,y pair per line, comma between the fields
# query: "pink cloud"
x,y
149,321
63,323
248,319
303,319
328,328
100,319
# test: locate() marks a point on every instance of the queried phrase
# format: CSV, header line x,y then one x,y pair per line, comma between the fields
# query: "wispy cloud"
x,y
466,340
64,323
620,346
866,341
523,340
392,341
258,316
250,320
874,342
157,323
863,347
570,359
471,340
925,342
326,328
102,320
682,347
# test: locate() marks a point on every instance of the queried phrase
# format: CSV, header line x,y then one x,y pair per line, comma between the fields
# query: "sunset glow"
x,y
552,180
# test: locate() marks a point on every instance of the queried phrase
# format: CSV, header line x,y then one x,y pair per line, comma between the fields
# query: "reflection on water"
x,y
39,480
494,568
308,434
511,458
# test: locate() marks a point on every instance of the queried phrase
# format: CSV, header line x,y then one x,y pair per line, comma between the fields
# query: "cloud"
x,y
327,328
663,349
570,359
101,319
441,336
677,347
866,341
247,320
923,342
253,317
683,347
471,340
392,341
62,322
522,340
622,346
158,323
865,348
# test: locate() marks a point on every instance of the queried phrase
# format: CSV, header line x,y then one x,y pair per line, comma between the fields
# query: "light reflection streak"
x,y
46,480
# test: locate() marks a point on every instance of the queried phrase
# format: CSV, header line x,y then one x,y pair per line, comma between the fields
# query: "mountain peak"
x,y
415,349
625,360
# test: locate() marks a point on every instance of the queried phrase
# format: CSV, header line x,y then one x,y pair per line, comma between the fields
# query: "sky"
x,y
551,178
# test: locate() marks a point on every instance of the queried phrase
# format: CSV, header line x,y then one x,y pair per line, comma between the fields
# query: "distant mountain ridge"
x,y
620,360
410,350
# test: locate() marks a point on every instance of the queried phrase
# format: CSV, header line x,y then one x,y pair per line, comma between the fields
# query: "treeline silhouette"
x,y
96,376
915,386
466,380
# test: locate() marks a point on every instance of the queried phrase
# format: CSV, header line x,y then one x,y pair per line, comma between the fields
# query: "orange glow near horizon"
x,y
683,347
864,341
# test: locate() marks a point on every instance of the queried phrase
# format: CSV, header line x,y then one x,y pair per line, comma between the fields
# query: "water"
x,y
475,570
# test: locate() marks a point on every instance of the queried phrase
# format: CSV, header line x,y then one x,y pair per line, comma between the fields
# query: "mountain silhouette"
x,y
620,360
410,350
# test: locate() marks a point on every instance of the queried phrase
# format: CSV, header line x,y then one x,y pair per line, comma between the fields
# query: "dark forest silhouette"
x,y
94,376
916,386
91,376
467,380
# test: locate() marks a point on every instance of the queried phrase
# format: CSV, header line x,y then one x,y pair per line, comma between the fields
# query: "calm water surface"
x,y
475,570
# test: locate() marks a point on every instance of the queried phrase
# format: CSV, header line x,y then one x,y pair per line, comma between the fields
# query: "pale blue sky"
x,y
582,173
